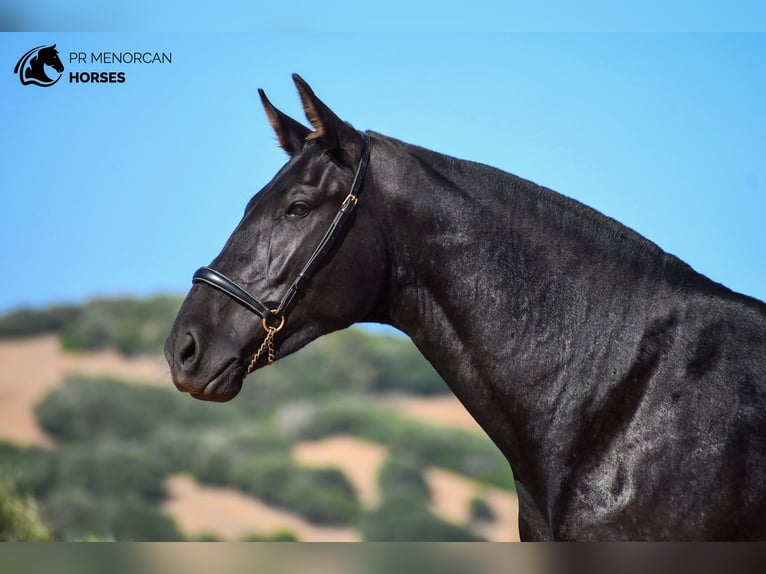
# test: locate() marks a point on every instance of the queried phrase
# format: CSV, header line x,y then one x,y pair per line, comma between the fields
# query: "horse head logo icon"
x,y
31,66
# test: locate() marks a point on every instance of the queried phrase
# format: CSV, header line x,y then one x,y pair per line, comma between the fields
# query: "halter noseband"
x,y
273,320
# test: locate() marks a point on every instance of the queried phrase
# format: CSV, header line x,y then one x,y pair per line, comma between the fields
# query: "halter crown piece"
x,y
272,320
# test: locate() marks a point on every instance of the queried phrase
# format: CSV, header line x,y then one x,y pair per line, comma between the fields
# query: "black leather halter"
x,y
273,319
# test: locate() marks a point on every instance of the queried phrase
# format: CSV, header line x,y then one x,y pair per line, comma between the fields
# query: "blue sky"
x,y
127,188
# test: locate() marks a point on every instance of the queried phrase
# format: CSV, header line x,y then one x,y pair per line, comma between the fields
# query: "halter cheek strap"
x,y
272,319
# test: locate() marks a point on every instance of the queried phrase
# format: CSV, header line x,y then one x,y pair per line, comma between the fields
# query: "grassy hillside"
x,y
116,443
352,359
132,326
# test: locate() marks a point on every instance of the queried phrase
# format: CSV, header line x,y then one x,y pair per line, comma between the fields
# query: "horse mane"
x,y
575,217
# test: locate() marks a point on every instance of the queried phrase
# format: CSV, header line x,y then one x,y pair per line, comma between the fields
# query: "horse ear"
x,y
290,133
335,135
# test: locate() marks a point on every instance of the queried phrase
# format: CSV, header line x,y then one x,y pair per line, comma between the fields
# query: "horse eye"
x,y
299,209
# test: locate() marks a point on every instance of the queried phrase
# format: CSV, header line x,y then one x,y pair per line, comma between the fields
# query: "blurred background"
x,y
106,188
355,438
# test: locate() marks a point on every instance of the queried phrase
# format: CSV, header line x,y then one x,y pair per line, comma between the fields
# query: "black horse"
x,y
627,391
31,66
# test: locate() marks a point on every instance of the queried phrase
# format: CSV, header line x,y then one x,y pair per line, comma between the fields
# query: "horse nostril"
x,y
188,351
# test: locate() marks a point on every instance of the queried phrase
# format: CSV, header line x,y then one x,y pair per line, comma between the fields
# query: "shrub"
x,y
480,510
131,326
77,514
264,476
465,453
349,361
85,409
111,470
173,448
403,477
379,363
206,537
404,514
402,519
33,470
219,450
305,495
89,409
278,536
9,452
19,518
323,496
28,322
135,520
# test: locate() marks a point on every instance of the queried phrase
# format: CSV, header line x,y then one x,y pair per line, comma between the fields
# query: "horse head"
x,y
50,57
31,66
214,337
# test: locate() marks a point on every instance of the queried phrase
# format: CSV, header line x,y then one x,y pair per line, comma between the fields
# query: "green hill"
x,y
116,443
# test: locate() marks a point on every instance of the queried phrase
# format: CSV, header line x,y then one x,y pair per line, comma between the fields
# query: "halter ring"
x,y
278,327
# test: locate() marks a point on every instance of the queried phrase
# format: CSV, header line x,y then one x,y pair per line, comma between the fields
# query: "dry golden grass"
x,y
230,515
31,368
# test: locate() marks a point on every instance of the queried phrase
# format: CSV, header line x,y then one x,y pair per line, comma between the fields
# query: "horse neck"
x,y
504,287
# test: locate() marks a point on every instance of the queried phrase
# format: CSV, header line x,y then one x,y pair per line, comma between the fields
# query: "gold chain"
x,y
268,344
